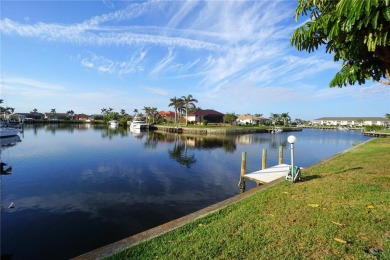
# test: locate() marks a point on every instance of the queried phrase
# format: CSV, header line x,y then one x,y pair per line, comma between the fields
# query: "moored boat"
x,y
113,123
139,123
7,131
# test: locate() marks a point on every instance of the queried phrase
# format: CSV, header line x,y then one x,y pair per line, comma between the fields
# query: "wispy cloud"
x,y
157,91
165,62
31,83
106,65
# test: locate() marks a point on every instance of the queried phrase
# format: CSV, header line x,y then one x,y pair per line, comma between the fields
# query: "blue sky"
x,y
232,56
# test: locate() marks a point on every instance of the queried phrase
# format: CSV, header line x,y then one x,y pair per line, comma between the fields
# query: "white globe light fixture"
x,y
292,139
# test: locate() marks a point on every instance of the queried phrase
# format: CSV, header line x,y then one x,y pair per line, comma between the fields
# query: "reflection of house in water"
x,y
245,139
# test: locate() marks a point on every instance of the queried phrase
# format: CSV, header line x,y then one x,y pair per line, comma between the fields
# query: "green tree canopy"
x,y
355,31
229,118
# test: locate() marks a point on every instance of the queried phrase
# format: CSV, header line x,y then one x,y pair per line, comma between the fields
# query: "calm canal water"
x,y
76,188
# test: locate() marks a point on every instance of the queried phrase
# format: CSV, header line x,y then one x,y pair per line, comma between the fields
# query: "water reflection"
x,y
99,185
7,142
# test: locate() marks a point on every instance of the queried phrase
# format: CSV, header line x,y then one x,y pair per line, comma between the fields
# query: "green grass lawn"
x,y
341,210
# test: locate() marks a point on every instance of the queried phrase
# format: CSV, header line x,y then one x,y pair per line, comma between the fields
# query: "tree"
x,y
53,111
70,113
34,110
123,112
177,104
387,116
275,118
188,102
135,111
103,111
355,31
229,118
153,114
285,118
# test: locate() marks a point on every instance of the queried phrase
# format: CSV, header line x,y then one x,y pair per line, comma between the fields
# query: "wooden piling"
x,y
264,159
280,154
243,171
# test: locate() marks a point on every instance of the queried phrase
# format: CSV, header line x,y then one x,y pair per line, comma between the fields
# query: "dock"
x,y
269,174
376,134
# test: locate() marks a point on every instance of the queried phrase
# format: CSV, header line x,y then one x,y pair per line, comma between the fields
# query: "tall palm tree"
x,y
153,114
285,117
188,101
147,112
135,111
177,104
53,111
70,113
103,111
123,112
274,118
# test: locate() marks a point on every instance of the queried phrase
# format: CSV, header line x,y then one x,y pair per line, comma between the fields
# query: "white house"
x,y
351,121
247,119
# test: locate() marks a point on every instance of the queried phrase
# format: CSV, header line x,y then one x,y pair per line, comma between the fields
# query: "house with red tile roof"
x,y
169,116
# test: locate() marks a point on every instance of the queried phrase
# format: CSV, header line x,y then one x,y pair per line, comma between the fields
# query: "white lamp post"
x,y
292,139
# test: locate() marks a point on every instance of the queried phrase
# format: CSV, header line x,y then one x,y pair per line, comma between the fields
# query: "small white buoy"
x,y
11,206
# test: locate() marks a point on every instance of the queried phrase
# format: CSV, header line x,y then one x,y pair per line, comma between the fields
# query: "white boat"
x,y
7,131
139,123
113,123
277,130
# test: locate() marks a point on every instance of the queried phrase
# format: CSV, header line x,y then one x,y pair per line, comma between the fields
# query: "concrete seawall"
x,y
217,130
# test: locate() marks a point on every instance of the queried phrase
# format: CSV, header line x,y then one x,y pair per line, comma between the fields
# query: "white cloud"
x,y
165,62
31,83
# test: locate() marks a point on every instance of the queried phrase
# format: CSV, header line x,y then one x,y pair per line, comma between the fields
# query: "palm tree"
x,y
285,117
147,112
274,118
188,101
34,110
153,114
53,111
387,116
123,112
135,111
70,113
103,111
177,104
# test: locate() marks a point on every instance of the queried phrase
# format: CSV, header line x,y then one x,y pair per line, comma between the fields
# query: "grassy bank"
x,y
341,210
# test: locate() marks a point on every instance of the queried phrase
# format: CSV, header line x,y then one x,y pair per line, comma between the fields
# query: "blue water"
x,y
76,188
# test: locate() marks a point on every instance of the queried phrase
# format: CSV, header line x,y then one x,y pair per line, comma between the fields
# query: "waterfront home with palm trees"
x,y
169,116
201,115
351,121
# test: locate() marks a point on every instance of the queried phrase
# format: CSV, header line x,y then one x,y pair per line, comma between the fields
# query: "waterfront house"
x,y
56,116
247,119
28,117
82,117
169,116
351,121
210,115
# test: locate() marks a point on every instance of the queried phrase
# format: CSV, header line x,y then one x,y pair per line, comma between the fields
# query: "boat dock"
x,y
376,134
269,174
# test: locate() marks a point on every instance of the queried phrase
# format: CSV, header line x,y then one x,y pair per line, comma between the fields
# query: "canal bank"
x,y
302,212
217,130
